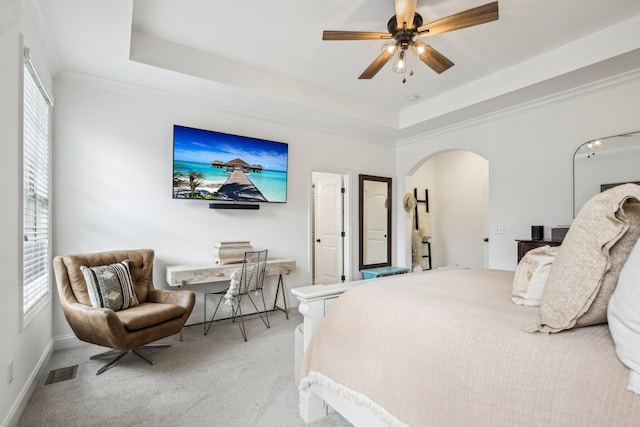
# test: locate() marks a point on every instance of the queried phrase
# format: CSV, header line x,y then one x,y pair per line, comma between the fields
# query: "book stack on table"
x,y
229,252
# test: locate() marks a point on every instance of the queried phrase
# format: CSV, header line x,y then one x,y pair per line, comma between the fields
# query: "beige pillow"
x,y
531,275
619,253
586,267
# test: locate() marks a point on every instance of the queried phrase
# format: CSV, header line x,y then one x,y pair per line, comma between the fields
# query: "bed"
x,y
449,348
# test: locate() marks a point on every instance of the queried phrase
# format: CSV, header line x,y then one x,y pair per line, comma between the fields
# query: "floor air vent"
x,y
62,374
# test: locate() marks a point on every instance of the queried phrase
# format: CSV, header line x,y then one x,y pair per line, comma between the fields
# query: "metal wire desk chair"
x,y
251,280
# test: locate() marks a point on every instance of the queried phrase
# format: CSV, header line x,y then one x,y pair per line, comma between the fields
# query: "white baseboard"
x,y
25,394
64,342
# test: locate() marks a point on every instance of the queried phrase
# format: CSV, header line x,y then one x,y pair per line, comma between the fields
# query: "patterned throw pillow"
x,y
110,286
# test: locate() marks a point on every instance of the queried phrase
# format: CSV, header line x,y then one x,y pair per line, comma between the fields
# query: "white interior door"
x,y
375,222
328,227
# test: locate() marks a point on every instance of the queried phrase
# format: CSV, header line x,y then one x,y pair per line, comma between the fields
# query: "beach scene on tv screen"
x,y
211,165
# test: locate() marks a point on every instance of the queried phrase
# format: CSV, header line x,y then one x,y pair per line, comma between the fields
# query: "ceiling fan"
x,y
406,27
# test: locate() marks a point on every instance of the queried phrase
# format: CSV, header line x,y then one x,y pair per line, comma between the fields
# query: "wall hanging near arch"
x,y
423,224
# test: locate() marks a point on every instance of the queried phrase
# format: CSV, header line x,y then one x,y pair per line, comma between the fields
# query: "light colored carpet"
x,y
213,380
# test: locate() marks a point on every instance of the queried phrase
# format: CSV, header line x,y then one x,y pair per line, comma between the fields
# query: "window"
x,y
35,183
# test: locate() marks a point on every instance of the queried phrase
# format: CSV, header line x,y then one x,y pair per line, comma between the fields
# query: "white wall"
x,y
530,153
26,346
113,176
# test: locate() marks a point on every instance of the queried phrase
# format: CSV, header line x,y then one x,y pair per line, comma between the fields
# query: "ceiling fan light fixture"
x,y
400,66
405,26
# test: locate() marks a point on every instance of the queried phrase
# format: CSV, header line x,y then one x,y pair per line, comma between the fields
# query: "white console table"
x,y
192,274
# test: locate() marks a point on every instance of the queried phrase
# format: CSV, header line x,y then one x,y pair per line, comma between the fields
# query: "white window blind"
x,y
36,117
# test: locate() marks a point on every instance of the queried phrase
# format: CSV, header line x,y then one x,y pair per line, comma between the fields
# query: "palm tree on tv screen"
x,y
179,179
195,179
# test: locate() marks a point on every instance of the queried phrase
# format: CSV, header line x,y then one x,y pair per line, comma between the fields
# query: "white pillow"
x,y
623,316
531,275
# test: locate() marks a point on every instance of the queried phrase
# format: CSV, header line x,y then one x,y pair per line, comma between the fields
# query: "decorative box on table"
x,y
229,252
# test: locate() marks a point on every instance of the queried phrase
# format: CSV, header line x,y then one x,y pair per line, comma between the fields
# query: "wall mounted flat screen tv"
x,y
216,166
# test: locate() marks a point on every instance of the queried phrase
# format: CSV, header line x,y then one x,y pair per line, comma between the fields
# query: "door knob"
x,y
486,239
318,240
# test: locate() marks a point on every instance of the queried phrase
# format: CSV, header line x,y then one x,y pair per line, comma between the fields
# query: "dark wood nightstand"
x,y
525,246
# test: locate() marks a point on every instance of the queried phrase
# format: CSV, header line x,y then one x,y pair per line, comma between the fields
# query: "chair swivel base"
x,y
120,354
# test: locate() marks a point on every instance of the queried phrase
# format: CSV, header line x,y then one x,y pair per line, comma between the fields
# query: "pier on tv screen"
x,y
209,165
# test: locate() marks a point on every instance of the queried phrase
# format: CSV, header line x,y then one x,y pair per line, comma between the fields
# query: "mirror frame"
x,y
628,146
362,179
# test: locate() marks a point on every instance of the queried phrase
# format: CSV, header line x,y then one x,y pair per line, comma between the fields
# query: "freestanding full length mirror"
x,y
375,221
604,163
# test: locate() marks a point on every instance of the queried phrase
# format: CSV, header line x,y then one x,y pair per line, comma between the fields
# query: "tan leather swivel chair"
x,y
161,312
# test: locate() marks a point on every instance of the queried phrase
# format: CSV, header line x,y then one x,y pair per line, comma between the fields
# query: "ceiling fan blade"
x,y
434,59
405,12
377,64
468,18
354,35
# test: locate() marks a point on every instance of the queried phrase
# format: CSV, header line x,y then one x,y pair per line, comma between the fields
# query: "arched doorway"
x,y
457,182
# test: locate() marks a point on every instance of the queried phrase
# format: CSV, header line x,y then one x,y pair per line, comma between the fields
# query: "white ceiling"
x,y
267,58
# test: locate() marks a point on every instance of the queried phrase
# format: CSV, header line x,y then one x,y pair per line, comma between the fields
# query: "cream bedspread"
x,y
447,349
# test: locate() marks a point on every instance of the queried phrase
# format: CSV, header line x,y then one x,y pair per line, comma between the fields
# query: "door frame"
x,y
346,222
387,182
